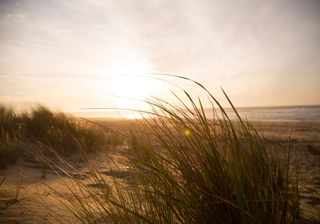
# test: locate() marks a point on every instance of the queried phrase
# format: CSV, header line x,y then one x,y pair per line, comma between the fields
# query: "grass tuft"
x,y
9,132
188,168
56,130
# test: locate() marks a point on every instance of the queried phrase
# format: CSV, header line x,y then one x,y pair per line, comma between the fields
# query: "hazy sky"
x,y
68,53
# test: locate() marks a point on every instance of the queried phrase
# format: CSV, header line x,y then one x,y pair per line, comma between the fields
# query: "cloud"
x,y
223,43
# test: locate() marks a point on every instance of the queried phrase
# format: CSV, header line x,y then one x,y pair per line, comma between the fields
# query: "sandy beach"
x,y
33,203
305,159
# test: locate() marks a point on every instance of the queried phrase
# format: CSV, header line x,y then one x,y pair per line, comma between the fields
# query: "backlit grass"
x,y
188,168
63,134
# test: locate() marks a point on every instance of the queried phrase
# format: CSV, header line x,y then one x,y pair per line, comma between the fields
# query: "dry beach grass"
x,y
28,210
176,166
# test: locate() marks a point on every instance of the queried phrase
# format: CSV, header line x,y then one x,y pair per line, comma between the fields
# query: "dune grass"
x,y
8,134
188,168
56,130
63,133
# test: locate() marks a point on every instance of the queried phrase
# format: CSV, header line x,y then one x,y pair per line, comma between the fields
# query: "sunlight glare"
x,y
130,85
129,77
133,86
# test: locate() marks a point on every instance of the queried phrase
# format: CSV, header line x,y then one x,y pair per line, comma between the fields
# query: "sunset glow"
x,y
134,87
159,111
75,54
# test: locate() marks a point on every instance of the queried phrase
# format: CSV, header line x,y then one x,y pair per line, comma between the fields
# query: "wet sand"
x,y
33,201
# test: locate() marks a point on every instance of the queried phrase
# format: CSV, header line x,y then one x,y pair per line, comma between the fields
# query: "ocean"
x,y
272,114
283,114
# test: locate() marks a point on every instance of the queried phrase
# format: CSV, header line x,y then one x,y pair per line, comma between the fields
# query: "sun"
x,y
133,87
130,84
130,79
131,91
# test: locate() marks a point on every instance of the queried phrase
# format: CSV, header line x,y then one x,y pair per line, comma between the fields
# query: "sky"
x,y
84,53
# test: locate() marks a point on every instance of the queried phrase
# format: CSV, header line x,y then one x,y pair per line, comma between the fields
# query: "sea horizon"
x,y
286,113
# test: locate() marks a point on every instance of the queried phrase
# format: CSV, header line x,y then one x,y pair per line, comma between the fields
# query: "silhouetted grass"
x,y
56,130
8,134
187,168
63,133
